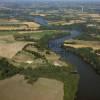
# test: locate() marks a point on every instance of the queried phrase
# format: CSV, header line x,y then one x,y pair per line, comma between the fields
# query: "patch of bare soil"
x,y
16,88
8,50
82,44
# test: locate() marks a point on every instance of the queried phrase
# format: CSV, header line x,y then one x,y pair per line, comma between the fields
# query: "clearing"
x,y
8,50
82,44
16,88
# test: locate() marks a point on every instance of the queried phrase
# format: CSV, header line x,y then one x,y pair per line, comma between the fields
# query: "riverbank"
x,y
34,63
88,54
89,82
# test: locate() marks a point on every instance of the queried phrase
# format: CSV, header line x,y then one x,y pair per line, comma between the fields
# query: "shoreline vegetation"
x,y
87,54
27,28
46,70
62,74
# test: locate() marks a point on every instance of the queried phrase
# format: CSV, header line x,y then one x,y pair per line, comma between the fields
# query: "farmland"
x,y
89,51
22,52
83,44
22,90
8,50
13,24
49,50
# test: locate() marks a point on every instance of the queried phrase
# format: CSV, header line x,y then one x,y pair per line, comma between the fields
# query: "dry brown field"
x,y
7,24
81,44
9,50
16,88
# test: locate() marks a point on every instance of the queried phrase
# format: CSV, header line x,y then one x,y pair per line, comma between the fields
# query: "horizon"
x,y
50,0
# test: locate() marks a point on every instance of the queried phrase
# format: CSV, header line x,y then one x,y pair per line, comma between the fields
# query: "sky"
x,y
51,0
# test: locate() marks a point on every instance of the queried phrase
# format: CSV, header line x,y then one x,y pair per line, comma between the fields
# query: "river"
x,y
40,20
89,83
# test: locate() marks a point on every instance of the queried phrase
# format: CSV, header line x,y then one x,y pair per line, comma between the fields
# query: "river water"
x,y
89,83
40,20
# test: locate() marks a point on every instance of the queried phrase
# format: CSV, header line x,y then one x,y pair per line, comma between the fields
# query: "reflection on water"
x,y
40,20
89,84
